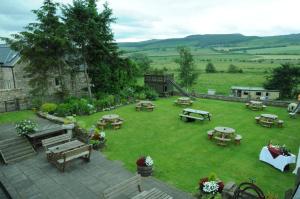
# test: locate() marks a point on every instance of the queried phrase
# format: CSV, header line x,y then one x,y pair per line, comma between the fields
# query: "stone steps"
x,y
15,149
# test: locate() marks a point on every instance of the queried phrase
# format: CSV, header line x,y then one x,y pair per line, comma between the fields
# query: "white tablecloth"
x,y
279,162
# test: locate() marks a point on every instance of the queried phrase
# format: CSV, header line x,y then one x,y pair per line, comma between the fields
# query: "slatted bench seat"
x,y
210,134
257,119
154,193
131,186
222,141
46,143
280,123
101,124
36,138
190,117
150,108
80,152
238,139
266,123
117,124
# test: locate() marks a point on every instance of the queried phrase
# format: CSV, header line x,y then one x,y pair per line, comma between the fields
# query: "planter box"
x,y
145,171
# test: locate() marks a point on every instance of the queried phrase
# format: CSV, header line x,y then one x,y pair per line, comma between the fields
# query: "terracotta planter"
x,y
145,171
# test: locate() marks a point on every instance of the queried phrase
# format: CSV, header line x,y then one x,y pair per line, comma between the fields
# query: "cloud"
x,y
156,19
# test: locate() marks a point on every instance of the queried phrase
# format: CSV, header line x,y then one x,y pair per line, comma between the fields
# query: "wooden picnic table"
x,y
184,101
203,114
255,105
146,105
269,116
153,194
65,147
225,130
110,118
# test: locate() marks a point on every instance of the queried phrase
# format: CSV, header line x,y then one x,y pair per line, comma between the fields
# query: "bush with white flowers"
x,y
26,127
149,161
210,187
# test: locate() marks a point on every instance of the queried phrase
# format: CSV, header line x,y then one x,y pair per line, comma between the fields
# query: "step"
x,y
9,142
20,153
15,149
19,158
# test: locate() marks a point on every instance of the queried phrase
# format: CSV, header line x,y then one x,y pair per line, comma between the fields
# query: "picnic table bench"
x,y
60,155
128,186
222,140
36,138
59,139
190,117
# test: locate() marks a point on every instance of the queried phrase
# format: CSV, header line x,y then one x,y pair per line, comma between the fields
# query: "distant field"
x,y
255,63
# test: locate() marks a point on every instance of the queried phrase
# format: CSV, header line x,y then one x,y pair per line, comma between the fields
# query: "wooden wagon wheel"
x,y
243,191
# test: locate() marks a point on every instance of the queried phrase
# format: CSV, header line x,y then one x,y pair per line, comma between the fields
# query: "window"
x,y
267,94
56,81
245,93
258,93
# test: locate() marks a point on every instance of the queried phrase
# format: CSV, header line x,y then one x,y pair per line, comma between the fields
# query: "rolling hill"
x,y
236,41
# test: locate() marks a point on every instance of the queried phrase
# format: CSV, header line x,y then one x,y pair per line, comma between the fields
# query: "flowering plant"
x,y
278,149
26,127
144,161
211,185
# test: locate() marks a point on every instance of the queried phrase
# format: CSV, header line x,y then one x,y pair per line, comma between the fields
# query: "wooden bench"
x,y
190,117
280,123
257,119
80,152
138,107
210,134
222,141
149,108
266,123
154,193
46,143
238,139
101,124
117,124
129,186
36,138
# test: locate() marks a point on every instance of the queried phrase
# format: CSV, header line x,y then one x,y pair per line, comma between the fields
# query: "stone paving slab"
x,y
37,178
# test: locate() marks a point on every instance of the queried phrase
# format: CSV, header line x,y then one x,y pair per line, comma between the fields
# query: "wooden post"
x,y
5,105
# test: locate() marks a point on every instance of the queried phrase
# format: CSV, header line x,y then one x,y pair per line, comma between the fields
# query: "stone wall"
x,y
238,99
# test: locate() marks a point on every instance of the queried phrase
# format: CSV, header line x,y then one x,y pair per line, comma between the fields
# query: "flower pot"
x,y
203,195
145,171
98,146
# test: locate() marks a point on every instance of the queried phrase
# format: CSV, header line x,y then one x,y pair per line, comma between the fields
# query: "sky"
x,y
139,20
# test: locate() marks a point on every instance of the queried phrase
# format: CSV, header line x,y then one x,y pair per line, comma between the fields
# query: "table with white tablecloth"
x,y
280,162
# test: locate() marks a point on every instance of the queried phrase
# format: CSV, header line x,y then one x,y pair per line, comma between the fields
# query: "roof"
x,y
8,57
251,88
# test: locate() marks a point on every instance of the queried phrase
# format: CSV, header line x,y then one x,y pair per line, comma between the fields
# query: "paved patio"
x,y
37,178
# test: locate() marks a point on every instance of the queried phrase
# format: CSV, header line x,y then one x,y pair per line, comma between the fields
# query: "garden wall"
x,y
238,99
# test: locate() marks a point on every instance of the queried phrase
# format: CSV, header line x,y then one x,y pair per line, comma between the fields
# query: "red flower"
x,y
221,186
141,161
201,182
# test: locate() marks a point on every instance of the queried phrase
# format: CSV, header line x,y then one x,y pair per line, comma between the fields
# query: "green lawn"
x,y
182,152
13,117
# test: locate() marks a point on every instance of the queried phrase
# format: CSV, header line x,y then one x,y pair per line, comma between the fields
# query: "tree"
x,y
286,79
234,69
210,68
142,61
43,46
93,43
187,73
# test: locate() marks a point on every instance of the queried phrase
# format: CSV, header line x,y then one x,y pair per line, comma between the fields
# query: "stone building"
x,y
254,93
14,87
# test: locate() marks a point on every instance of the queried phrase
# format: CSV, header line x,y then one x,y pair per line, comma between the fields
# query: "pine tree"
x,y
43,46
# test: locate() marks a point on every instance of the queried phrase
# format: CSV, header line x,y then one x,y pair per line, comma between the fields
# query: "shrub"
x,y
49,107
210,68
151,94
63,110
26,127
